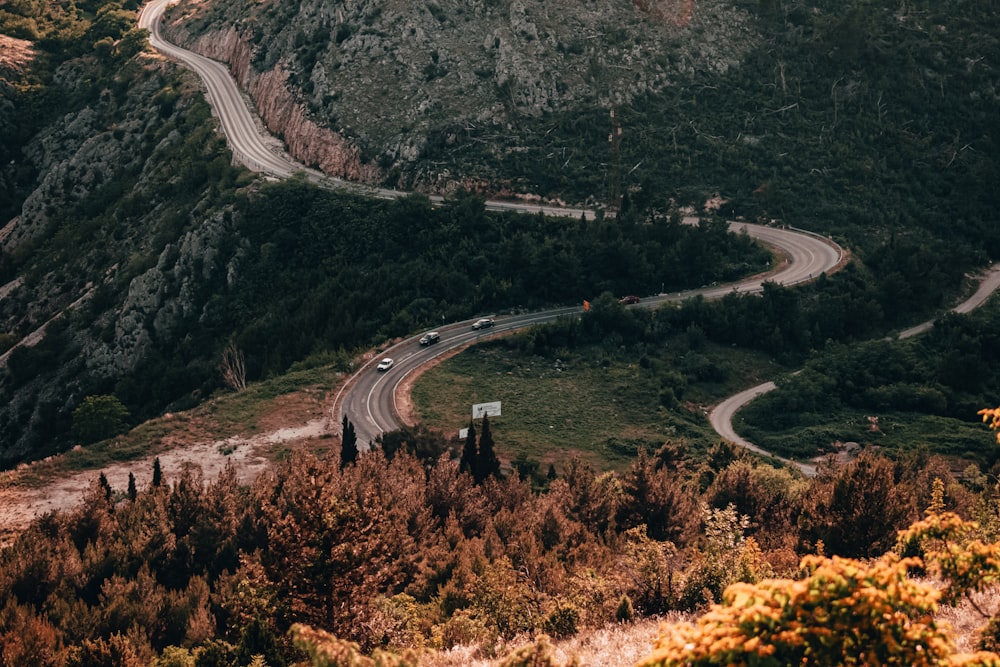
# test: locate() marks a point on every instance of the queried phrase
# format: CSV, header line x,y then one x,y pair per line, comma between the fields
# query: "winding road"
x,y
368,398
259,152
721,417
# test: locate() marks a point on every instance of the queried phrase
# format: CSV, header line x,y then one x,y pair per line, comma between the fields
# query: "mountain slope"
x,y
390,77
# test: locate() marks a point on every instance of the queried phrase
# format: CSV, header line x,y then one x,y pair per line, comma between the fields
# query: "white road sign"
x,y
481,409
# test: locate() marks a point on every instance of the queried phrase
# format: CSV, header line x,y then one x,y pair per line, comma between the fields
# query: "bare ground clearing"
x,y
294,420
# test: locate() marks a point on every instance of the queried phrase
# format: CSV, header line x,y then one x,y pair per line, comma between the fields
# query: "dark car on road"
x,y
484,323
430,338
630,299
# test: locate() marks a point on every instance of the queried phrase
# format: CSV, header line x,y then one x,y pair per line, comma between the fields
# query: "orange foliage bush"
x,y
844,611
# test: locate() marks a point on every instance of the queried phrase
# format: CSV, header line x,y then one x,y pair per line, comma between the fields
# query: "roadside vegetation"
x,y
598,391
640,377
919,392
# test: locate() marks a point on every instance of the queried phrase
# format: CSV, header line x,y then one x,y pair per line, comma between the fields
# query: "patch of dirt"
x,y
295,420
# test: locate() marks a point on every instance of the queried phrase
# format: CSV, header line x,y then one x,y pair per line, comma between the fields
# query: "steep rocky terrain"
x,y
117,237
388,77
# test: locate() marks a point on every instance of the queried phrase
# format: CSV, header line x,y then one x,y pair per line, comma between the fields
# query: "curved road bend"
x,y
721,417
250,148
368,398
371,397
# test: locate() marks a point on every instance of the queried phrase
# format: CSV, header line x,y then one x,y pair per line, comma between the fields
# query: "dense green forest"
x,y
400,552
326,270
866,120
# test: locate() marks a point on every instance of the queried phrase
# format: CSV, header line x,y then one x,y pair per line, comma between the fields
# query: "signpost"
x,y
480,410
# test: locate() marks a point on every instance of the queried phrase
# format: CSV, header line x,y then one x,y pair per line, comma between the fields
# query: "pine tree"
x,y
349,448
487,462
258,638
469,452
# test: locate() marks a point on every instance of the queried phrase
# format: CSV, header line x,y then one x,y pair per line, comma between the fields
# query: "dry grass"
x,y
620,645
249,429
966,621
14,53
611,646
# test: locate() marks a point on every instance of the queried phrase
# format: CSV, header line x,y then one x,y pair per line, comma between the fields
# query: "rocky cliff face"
x,y
357,89
305,140
122,241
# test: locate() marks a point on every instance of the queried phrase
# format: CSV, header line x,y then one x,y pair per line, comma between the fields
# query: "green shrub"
x,y
562,621
99,418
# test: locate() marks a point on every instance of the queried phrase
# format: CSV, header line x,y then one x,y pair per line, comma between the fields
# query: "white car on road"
x,y
385,364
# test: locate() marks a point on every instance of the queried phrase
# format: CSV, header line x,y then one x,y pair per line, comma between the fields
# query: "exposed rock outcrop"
x,y
82,152
305,140
123,251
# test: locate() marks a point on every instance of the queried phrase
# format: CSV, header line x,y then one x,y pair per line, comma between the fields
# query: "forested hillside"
x,y
922,392
142,252
112,160
404,553
875,120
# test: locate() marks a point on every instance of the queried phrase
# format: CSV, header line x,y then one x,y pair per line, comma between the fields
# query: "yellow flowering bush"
x,y
992,415
843,611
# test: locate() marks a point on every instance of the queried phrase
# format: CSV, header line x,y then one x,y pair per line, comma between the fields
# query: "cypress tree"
x,y
349,448
157,472
132,492
105,486
487,462
469,453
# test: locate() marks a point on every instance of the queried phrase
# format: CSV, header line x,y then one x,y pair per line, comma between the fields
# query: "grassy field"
x,y
601,406
894,432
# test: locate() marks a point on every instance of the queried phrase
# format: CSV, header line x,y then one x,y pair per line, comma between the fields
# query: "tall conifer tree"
x,y
469,452
487,462
349,448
